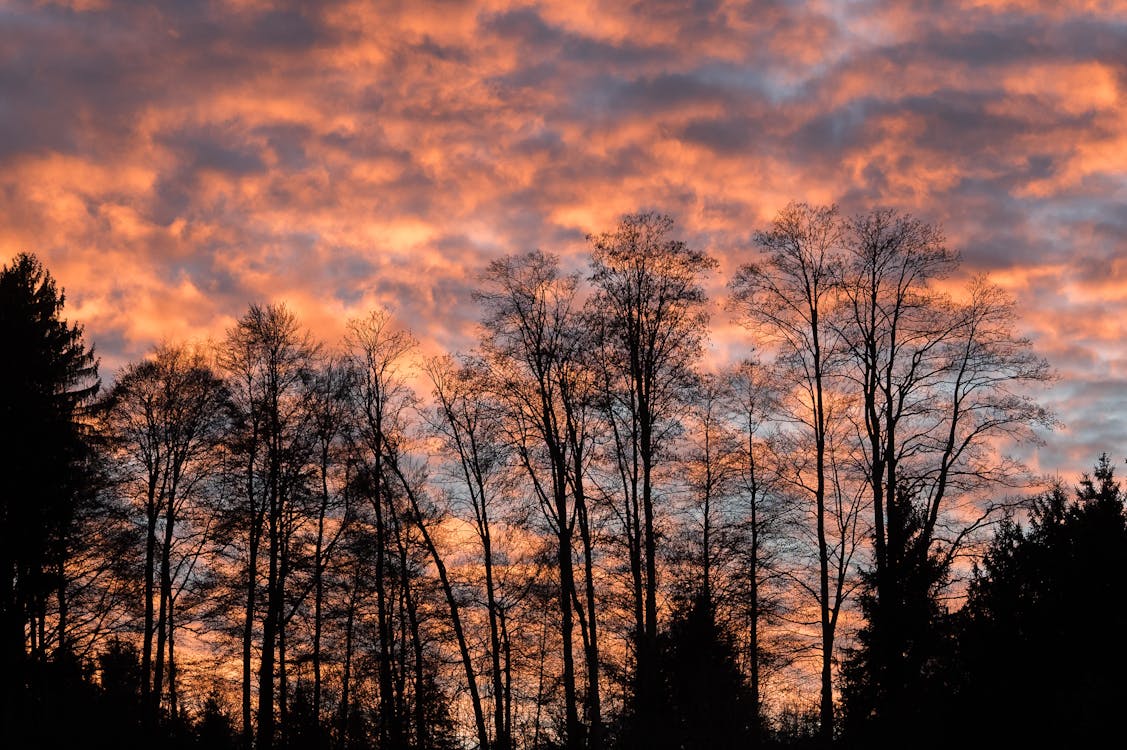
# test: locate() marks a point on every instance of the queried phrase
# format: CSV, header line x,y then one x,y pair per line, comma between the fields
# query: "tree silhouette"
x,y
1041,639
788,300
707,705
895,678
44,473
164,417
650,320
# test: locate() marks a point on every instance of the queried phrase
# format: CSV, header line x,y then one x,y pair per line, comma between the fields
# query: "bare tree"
x,y
166,417
331,424
531,344
710,469
377,349
937,382
787,300
269,360
650,318
470,427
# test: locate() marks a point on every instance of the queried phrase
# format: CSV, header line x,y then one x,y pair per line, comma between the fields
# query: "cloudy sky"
x,y
172,164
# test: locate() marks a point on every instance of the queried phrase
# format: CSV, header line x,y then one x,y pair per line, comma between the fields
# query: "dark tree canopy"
x,y
1042,635
49,378
1035,655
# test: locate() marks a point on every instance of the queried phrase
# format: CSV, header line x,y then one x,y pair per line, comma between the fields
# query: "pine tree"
x,y
50,376
1042,638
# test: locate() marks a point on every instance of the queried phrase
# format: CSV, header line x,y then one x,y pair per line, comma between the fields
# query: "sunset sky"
x,y
172,164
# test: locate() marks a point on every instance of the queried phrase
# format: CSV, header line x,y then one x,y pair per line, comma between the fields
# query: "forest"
x,y
581,533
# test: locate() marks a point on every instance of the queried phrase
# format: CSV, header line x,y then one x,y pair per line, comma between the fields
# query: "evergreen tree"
x,y
1041,640
50,376
707,704
215,730
897,675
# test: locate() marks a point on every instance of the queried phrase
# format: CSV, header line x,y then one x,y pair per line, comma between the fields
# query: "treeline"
x,y
577,535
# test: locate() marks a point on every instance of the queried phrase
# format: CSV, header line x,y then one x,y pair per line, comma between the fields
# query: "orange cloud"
x,y
173,164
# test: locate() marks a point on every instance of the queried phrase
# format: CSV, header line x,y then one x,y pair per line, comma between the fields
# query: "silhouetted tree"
x,y
896,679
468,423
650,321
704,697
215,730
1040,640
333,428
937,381
531,342
269,360
752,394
378,349
788,299
165,417
119,671
45,454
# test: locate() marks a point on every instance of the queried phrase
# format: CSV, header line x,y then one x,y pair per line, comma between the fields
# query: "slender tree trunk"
x,y
541,662
574,729
826,704
422,728
650,537
248,640
753,609
173,697
162,638
254,540
508,669
403,652
163,623
319,589
452,603
500,733
269,635
346,675
594,698
386,702
753,636
150,594
283,692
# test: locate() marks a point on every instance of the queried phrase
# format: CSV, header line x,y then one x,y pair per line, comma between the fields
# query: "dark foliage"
x,y
705,703
896,676
1034,658
50,376
1042,632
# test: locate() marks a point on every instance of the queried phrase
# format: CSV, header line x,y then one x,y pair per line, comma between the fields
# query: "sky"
x,y
171,163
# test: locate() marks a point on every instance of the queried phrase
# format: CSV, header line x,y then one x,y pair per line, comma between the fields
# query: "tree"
x,y
165,416
45,454
706,700
269,362
377,350
788,300
752,392
469,426
531,343
650,321
333,430
897,675
1040,633
937,382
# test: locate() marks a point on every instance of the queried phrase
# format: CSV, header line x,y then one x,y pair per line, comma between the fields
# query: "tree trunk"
x,y
452,603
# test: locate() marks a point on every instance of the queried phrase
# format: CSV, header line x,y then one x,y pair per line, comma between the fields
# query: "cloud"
x,y
174,163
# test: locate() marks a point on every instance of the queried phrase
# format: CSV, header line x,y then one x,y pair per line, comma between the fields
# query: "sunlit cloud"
x,y
174,163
